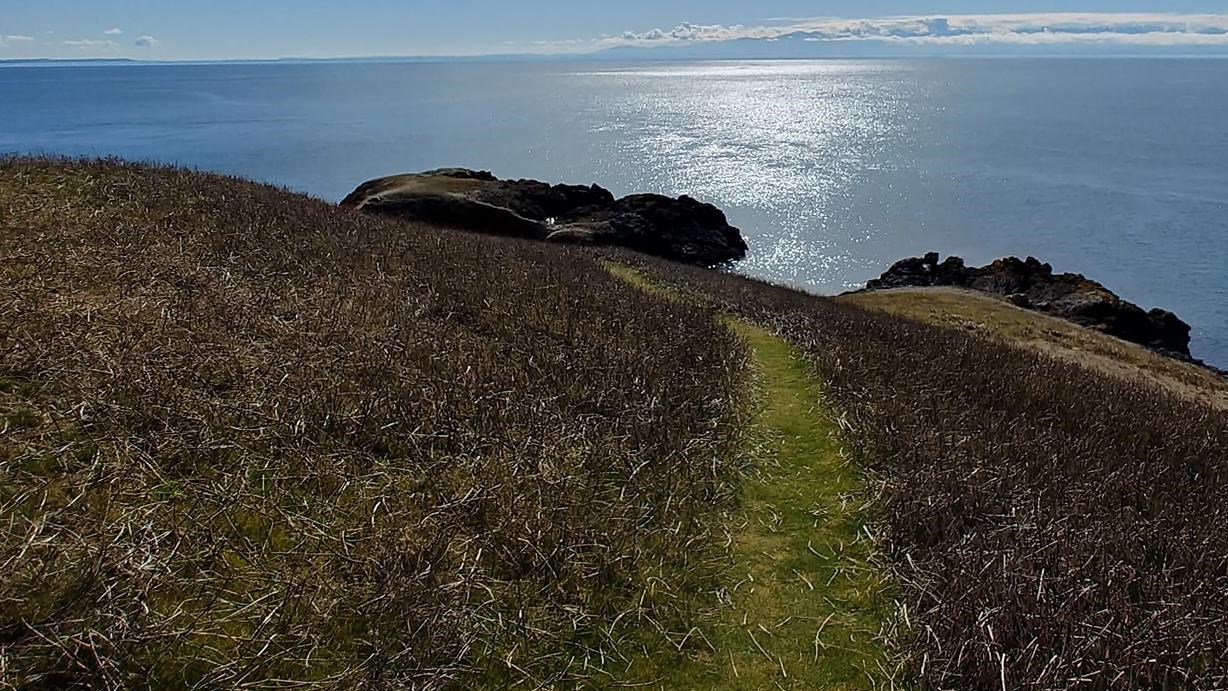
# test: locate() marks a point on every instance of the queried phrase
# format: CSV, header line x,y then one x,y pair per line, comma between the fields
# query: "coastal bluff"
x,y
1031,284
680,229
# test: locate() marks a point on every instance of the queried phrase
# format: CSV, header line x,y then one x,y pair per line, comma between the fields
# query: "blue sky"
x,y
224,29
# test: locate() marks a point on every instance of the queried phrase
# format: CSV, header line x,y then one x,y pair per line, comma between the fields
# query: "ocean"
x,y
1115,168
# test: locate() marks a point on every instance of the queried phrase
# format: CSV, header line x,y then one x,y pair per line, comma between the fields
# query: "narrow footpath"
x,y
803,604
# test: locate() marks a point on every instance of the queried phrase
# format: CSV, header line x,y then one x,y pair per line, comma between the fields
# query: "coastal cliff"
x,y
681,229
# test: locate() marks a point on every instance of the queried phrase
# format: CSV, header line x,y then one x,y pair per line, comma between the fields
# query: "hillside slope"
x,y
246,436
250,438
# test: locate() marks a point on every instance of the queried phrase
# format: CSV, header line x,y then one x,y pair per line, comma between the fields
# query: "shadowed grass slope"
x,y
248,438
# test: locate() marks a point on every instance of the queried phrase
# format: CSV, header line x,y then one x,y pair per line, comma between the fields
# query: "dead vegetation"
x,y
1052,527
250,439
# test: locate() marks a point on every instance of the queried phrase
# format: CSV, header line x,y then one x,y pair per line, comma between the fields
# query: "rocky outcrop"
x,y
682,229
1030,284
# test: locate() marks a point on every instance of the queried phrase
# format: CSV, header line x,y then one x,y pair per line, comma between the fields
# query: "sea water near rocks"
x,y
1116,168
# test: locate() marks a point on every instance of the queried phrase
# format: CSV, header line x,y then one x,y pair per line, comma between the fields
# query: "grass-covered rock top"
x,y
1031,284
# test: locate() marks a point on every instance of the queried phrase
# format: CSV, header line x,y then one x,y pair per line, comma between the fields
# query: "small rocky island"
x,y
682,229
1030,284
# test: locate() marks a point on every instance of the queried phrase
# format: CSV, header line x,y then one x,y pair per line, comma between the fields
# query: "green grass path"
x,y
802,604
805,603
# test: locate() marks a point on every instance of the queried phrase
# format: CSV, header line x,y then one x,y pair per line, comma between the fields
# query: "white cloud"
x,y
1016,29
12,39
113,32
90,44
146,42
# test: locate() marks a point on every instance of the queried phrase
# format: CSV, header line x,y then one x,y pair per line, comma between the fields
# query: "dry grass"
x,y
250,439
1051,527
974,311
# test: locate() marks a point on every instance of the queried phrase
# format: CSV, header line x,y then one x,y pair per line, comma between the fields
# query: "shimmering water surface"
x,y
1113,168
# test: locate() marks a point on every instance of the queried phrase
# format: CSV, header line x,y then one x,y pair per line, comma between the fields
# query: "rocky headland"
x,y
681,229
1031,284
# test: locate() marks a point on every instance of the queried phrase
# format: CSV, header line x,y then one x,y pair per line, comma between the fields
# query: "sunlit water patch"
x,y
783,146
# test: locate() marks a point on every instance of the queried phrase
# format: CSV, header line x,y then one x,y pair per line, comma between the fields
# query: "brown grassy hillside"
x,y
250,438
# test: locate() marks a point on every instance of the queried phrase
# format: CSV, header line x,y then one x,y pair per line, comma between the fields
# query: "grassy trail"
x,y
802,603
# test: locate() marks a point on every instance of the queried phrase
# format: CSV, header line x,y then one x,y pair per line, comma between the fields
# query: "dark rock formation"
x,y
1032,285
682,229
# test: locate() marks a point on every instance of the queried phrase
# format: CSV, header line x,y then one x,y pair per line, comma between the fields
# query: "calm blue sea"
x,y
1113,168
